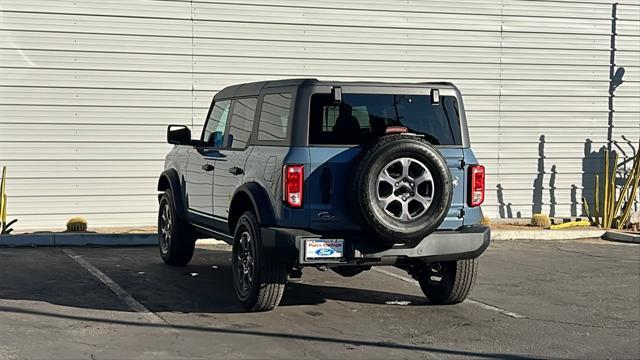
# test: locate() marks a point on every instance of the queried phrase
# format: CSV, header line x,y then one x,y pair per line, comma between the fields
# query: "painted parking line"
x,y
134,304
496,309
470,301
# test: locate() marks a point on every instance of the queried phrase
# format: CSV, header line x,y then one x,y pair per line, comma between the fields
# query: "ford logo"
x,y
325,252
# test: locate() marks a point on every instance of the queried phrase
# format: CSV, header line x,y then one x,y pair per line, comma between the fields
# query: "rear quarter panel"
x,y
264,166
473,215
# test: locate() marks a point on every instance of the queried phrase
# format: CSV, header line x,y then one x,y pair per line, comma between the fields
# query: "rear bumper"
x,y
466,243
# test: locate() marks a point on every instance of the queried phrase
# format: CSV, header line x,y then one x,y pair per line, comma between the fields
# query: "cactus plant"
x,y
5,227
612,212
77,224
540,220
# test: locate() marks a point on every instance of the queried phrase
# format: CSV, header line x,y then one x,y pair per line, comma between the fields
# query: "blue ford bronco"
x,y
334,175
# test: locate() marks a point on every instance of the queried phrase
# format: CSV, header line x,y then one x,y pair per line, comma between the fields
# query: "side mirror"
x,y
178,135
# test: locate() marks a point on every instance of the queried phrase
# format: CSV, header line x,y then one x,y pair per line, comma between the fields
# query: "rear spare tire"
x,y
402,189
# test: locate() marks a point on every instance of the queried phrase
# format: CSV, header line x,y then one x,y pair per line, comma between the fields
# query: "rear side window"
x,y
361,117
274,117
244,111
214,131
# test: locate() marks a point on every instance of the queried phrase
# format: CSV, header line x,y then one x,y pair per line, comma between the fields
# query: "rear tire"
x,y
176,238
456,279
258,279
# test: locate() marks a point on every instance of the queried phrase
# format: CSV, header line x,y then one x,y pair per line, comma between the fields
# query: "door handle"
x,y
236,170
208,167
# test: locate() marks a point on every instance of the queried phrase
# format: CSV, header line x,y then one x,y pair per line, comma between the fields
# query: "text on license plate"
x,y
324,249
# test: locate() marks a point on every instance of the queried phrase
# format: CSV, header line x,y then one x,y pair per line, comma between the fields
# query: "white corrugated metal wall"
x,y
88,87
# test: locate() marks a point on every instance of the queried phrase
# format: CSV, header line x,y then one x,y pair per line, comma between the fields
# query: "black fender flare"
x,y
170,177
259,200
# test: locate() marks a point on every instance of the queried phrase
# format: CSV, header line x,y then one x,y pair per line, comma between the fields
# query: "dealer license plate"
x,y
323,249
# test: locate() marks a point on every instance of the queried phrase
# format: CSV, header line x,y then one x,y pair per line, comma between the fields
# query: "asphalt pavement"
x,y
533,299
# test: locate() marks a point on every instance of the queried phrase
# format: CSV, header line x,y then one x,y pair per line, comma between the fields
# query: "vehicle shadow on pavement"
x,y
306,294
204,286
212,291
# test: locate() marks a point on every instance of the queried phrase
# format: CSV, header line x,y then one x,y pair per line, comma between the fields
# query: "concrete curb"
x,y
621,236
78,239
87,239
545,234
27,240
84,239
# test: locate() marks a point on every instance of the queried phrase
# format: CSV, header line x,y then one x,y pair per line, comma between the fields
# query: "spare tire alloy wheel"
x,y
402,189
405,189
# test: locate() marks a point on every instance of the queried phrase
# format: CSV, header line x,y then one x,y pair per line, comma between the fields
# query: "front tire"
x,y
448,282
175,236
258,279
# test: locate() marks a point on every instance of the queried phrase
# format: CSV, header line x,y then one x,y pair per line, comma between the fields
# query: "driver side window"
x,y
213,134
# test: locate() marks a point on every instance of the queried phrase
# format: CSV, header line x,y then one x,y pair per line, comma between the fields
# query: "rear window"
x,y
361,117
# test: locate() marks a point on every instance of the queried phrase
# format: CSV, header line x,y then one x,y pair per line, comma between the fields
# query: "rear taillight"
x,y
476,185
292,184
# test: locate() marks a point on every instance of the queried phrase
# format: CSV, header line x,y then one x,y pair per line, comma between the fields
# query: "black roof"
x,y
254,88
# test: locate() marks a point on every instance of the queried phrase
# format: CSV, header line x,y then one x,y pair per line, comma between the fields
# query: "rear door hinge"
x,y
460,213
461,164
